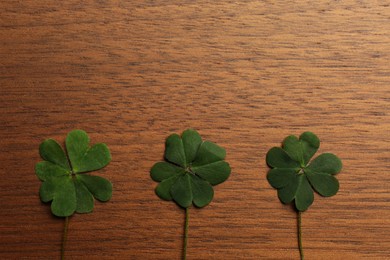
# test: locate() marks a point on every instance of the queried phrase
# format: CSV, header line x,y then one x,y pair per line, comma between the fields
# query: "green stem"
x,y
300,235
186,233
64,236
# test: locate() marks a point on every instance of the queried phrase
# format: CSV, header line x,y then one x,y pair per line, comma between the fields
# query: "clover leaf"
x,y
191,167
295,176
65,179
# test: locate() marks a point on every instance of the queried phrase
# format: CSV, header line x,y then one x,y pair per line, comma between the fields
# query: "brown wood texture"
x,y
245,74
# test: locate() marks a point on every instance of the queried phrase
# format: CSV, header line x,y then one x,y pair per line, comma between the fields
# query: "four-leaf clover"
x,y
192,166
64,175
294,175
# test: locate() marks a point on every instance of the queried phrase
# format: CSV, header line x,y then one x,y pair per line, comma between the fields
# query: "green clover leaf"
x,y
64,175
191,168
295,176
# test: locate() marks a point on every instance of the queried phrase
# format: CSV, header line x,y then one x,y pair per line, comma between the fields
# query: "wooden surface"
x,y
244,74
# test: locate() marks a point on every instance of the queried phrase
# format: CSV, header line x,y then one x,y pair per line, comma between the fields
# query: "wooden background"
x,y
245,74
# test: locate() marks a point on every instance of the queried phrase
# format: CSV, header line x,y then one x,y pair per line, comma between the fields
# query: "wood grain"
x,y
243,73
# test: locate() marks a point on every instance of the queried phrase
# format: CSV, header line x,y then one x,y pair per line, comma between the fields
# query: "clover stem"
x,y
300,236
186,233
64,236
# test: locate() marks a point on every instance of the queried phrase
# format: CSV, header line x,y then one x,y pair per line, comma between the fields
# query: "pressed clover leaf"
x,y
191,168
295,176
65,179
